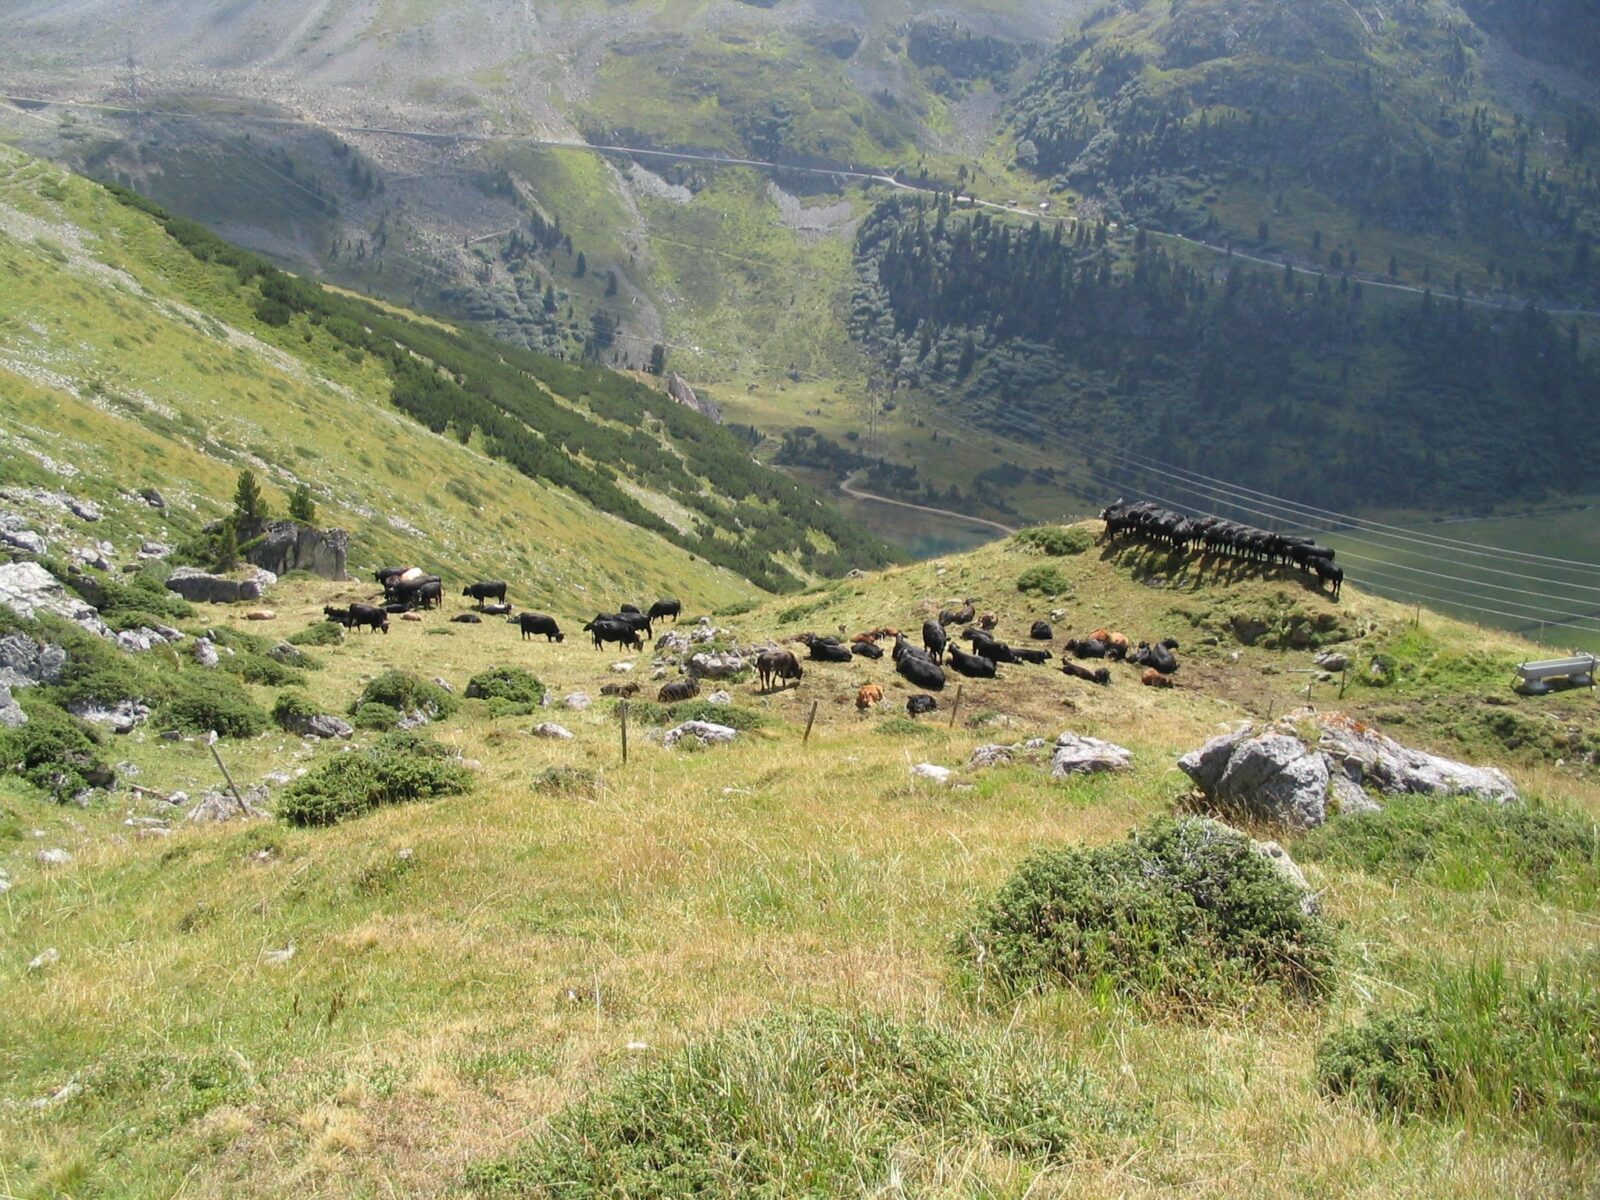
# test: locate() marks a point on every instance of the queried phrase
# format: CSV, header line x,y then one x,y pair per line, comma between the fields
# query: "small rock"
x,y
549,729
55,857
578,701
11,714
1332,661
276,958
621,668
92,556
706,732
440,682
719,698
405,854
60,1096
28,589
154,550
205,653
990,755
1079,755
715,666
88,510
215,806
24,539
48,958
931,771
261,614
152,497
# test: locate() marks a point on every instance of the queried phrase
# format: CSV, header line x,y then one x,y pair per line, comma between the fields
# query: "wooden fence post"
x,y
211,742
810,721
624,732
955,709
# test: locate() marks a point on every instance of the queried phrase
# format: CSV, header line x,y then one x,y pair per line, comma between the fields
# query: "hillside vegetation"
x,y
527,968
195,349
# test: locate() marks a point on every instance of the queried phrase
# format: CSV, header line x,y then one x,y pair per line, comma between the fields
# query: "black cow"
x,y
973,666
1326,571
960,616
490,589
604,631
866,650
777,666
830,652
634,620
665,608
430,594
1159,657
467,618
904,649
1041,632
919,704
1087,648
678,689
427,592
1100,675
369,616
383,575
631,610
535,623
987,647
1037,657
935,639
921,672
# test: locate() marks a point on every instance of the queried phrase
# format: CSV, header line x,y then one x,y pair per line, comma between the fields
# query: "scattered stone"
x,y
715,666
991,754
719,698
276,958
287,653
61,1095
92,556
415,719
154,549
24,539
855,573
706,732
54,857
152,497
25,662
28,589
320,725
1079,755
215,806
40,961
440,681
87,510
549,729
141,640
203,587
931,771
205,653
674,641
578,701
1332,661
261,614
621,668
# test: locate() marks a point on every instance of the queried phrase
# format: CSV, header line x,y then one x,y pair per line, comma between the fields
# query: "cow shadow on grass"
x,y
1176,570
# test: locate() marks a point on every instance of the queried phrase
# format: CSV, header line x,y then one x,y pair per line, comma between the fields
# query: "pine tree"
x,y
658,359
227,547
581,267
248,502
302,507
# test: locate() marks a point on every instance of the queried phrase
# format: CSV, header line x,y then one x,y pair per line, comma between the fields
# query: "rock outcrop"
x,y
1289,771
11,714
284,546
678,388
25,662
28,590
199,586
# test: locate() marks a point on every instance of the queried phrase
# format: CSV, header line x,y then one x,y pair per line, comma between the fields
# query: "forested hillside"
x,y
1265,123
1320,390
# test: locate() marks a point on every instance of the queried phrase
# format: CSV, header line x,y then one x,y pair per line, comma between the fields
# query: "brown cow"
x,y
870,636
1117,645
1154,678
625,690
987,622
870,694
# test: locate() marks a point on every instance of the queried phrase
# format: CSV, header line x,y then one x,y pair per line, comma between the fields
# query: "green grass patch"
x,y
648,712
1485,1046
1043,580
815,1104
1183,913
905,726
401,768
1467,846
318,633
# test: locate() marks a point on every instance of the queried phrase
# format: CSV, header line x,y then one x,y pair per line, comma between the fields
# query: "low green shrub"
x,y
1484,1046
292,708
648,712
567,781
1183,912
1466,845
1058,541
54,751
1044,580
737,609
373,715
318,633
407,693
206,700
400,768
258,668
516,685
813,1104
898,726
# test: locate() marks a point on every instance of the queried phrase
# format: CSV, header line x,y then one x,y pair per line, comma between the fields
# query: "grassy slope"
x,y
125,357
438,1006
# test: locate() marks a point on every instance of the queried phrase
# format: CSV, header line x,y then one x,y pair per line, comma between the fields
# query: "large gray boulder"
x,y
11,714
707,733
1076,754
1296,769
715,666
25,662
28,590
203,587
284,546
319,725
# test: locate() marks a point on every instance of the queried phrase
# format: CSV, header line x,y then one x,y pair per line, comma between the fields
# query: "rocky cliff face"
x,y
284,546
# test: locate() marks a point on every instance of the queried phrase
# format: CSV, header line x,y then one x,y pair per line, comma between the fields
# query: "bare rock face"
x,y
28,589
1294,770
284,546
25,662
678,388
11,714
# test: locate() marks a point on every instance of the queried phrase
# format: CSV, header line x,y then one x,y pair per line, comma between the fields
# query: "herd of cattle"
x,y
924,666
1148,522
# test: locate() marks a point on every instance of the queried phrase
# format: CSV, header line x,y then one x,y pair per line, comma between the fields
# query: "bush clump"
x,y
375,716
291,710
811,1104
318,633
211,700
1483,1045
401,768
1183,912
1058,541
55,752
406,693
513,686
648,712
906,725
1465,845
1043,580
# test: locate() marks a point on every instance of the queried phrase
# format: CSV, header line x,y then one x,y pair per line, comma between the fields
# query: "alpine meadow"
x,y
799,599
